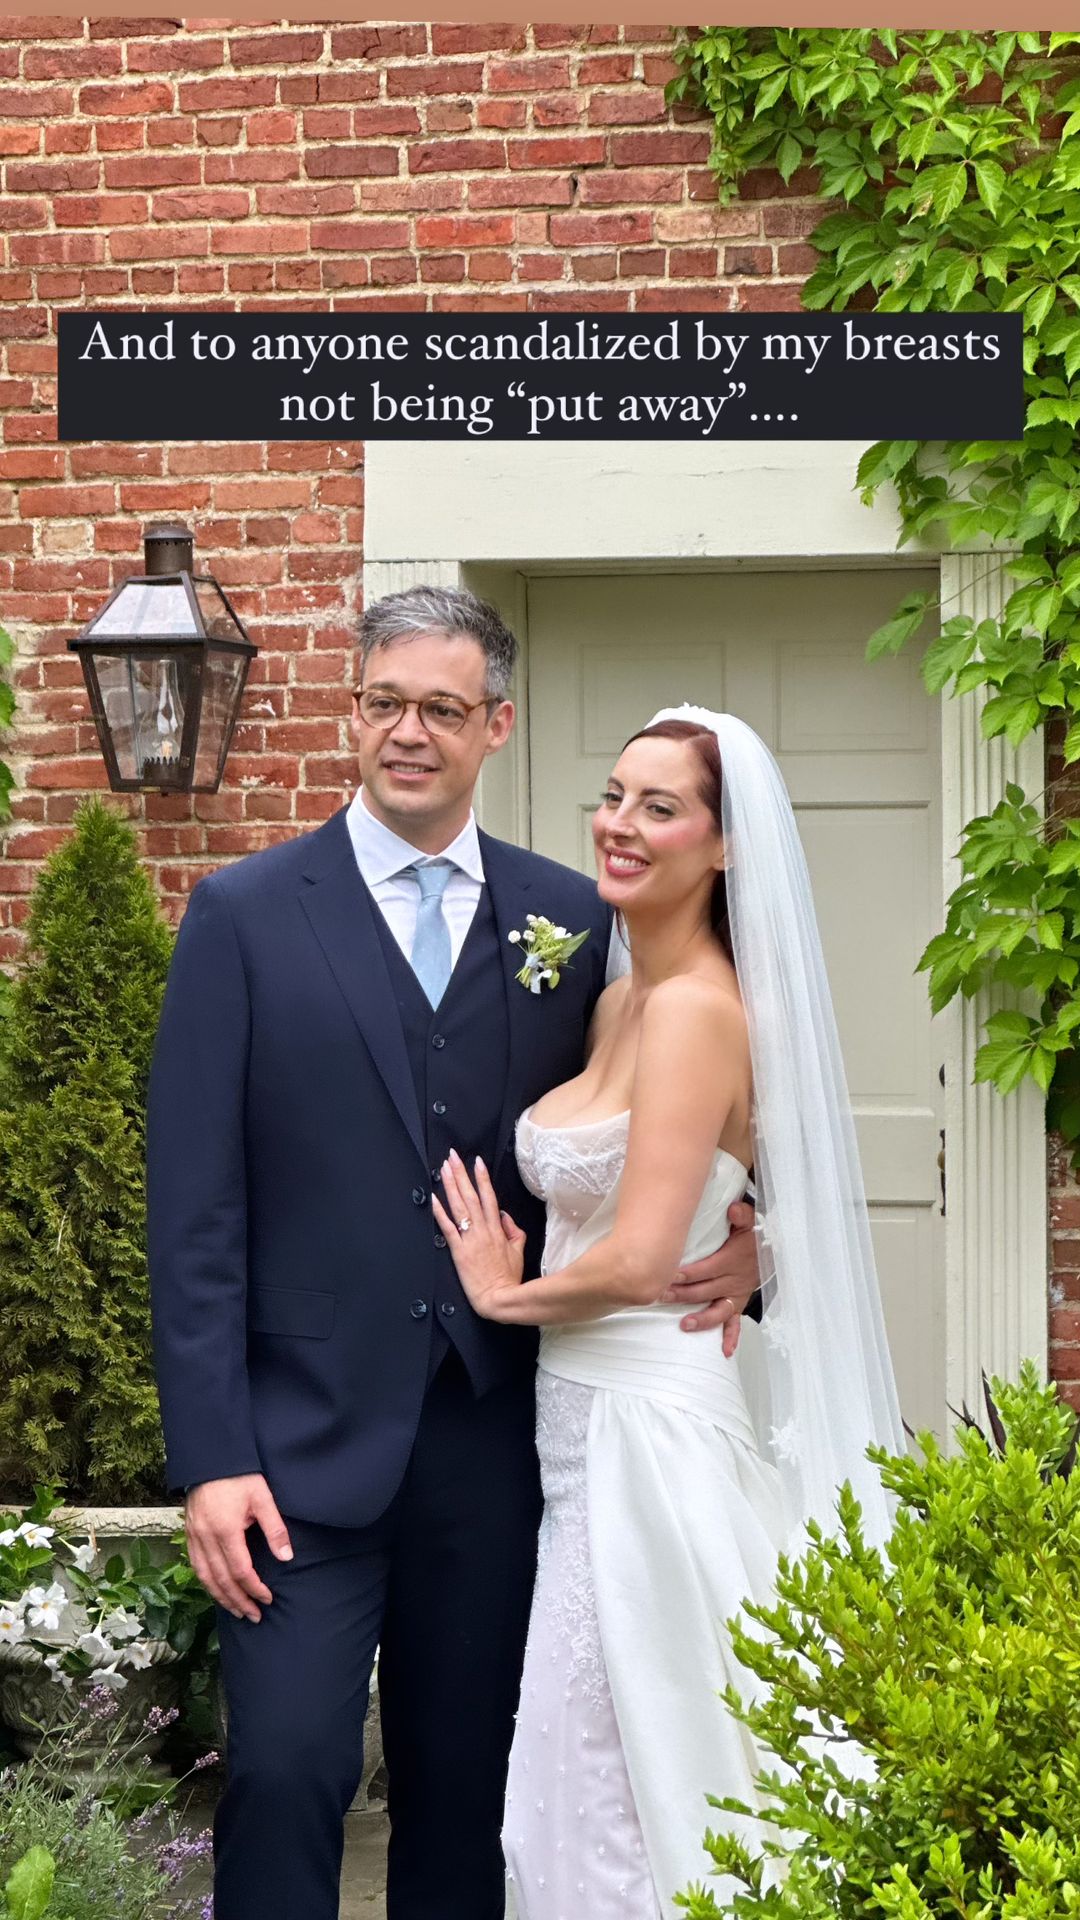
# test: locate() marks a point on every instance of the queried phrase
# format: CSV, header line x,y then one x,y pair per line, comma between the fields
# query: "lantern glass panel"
x,y
222,680
146,607
220,623
144,697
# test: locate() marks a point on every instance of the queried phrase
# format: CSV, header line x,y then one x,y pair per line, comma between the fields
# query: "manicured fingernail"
x,y
690,1325
480,1163
454,1155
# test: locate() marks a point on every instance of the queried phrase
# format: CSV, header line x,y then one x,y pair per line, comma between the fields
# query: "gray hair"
x,y
450,611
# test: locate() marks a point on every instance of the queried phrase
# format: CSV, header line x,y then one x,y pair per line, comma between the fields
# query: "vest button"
x,y
419,1309
439,1108
418,1196
440,1240
438,1041
447,1309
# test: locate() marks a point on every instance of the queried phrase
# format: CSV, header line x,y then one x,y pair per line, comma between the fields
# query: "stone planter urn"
x,y
48,1719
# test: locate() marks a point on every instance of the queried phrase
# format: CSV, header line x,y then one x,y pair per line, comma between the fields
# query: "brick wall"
x,y
267,166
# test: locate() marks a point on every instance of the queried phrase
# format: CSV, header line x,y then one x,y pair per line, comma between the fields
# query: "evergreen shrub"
x,y
953,1662
77,1398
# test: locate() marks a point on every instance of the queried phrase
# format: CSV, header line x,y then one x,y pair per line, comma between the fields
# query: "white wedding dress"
x,y
662,1514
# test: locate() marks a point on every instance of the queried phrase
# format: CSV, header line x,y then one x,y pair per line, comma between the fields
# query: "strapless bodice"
x,y
576,1171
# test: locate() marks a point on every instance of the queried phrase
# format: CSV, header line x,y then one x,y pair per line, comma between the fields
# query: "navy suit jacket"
x,y
290,1230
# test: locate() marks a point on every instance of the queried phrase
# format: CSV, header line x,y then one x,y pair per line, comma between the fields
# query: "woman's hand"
x,y
488,1249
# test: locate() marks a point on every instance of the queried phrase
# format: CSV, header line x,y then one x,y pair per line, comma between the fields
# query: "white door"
x,y
859,745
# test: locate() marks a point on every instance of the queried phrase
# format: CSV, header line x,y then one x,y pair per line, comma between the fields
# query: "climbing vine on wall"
x,y
952,162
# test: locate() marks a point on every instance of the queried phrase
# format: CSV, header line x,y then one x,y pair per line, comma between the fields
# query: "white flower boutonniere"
x,y
547,948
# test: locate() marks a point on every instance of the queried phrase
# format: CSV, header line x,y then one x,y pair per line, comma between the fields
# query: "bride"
x,y
673,1473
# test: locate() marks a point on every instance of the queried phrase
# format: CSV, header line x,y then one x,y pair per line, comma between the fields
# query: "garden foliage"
x,y
77,1399
953,1662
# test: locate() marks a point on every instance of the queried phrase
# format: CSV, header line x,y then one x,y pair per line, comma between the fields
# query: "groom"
x,y
355,1444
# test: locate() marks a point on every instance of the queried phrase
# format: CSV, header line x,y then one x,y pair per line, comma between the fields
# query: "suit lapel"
x,y
341,911
509,887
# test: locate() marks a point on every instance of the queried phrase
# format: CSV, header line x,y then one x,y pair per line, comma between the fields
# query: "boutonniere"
x,y
547,948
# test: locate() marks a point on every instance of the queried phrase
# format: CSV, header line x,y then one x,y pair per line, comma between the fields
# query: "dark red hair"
x,y
711,790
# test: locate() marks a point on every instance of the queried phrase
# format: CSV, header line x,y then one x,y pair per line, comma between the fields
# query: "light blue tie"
x,y
431,942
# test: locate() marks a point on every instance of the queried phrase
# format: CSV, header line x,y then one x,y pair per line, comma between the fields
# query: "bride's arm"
x,y
692,1065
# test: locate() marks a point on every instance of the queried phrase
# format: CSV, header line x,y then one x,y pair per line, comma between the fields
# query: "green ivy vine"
x,y
954,158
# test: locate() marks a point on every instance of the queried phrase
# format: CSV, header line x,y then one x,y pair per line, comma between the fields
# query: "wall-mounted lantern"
x,y
165,663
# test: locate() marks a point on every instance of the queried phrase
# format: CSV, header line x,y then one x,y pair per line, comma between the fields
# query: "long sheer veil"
x,y
829,1376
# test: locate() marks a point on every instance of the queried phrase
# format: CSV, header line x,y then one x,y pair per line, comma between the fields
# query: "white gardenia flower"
x,y
121,1625
44,1608
137,1653
83,1557
111,1678
52,1661
34,1535
8,1537
513,938
96,1646
12,1626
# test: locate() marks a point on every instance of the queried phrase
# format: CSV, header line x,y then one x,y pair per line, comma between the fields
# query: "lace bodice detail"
x,y
576,1171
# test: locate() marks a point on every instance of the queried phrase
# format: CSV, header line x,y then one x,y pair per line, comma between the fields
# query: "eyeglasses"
x,y
438,714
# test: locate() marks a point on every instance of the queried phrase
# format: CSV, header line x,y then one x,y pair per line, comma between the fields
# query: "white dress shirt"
x,y
382,857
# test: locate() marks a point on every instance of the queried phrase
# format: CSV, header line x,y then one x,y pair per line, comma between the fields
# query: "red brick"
x,y
630,186
189,204
137,97
56,249
560,150
43,26
631,107
604,69
521,190
71,63
201,279
153,170
408,196
776,297
692,263
144,244
557,110
344,273
356,236
793,220
306,202
174,55
261,239
123,460
267,164
219,130
596,229
344,163
171,130
641,262
435,76
68,138
51,176
661,149
21,214
480,38
20,138
100,210
751,260
452,230
328,123
368,122
594,266
275,49
382,42
448,116
222,95
274,128
119,136
439,156
332,89
684,299
501,113
35,103
528,75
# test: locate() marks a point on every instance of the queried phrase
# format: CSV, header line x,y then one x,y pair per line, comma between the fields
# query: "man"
x,y
355,1444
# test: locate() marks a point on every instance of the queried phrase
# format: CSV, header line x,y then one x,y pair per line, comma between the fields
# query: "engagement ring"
x,y
464,1225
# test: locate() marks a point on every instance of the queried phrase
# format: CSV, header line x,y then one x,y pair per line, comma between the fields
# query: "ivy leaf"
x,y
989,179
1015,715
30,1884
1005,1062
905,622
950,186
788,157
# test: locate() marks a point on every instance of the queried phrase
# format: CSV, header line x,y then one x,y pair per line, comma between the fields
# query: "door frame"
x,y
490,515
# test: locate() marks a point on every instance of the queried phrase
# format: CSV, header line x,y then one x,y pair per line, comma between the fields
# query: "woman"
x,y
673,1473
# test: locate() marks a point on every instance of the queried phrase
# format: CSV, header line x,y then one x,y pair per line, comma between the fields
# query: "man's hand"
x,y
217,1515
718,1287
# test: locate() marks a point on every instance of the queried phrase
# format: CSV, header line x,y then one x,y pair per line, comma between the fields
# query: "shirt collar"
x,y
381,853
